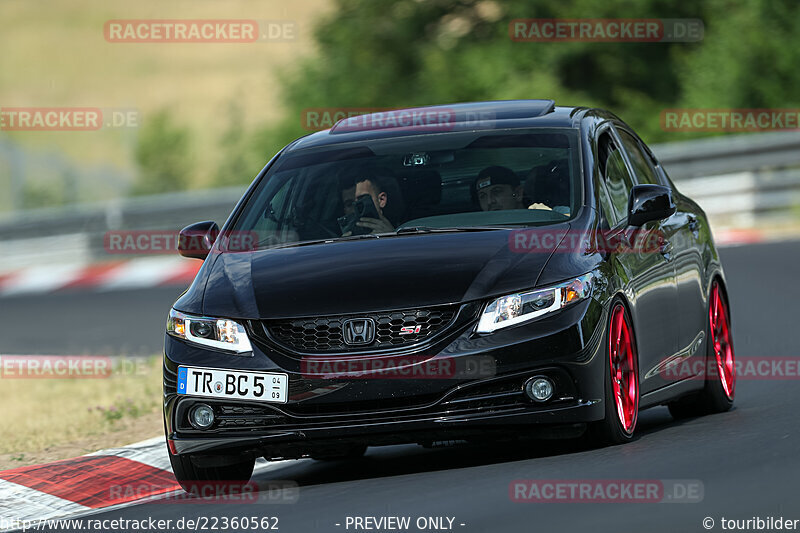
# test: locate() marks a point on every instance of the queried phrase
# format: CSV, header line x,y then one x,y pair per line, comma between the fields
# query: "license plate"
x,y
218,383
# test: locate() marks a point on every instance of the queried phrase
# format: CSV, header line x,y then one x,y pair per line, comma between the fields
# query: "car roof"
x,y
439,119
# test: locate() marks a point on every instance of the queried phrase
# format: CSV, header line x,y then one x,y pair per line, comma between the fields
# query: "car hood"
x,y
356,276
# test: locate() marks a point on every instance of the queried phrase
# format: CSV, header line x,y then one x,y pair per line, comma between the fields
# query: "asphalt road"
x,y
72,322
747,460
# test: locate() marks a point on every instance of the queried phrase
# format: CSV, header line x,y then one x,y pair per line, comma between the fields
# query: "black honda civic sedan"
x,y
447,273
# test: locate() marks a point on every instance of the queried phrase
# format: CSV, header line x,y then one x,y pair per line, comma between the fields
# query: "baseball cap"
x,y
495,175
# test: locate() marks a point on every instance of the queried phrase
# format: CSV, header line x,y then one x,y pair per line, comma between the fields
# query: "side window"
x,y
275,212
642,166
617,178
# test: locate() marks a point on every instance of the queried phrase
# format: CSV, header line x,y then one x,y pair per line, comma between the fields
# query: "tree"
x,y
399,53
163,156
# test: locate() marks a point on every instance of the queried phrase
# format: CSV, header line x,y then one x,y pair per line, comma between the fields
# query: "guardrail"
x,y
740,180
747,199
718,156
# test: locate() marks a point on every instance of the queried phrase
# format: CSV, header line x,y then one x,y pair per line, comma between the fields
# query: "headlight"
x,y
219,333
515,308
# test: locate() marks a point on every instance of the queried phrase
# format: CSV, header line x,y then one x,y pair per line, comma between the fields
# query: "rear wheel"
x,y
621,382
720,371
190,475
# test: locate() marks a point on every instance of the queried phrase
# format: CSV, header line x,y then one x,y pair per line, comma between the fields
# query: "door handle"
x,y
666,250
694,226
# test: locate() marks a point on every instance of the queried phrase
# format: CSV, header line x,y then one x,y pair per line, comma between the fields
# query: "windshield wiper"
x,y
316,241
410,230
414,229
428,229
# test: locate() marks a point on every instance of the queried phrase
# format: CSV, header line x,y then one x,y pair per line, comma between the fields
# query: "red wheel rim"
x,y
721,341
624,375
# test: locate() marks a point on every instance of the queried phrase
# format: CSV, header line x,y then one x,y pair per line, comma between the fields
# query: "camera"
x,y
362,207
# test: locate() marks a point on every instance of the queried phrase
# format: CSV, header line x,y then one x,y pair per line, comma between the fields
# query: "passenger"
x,y
498,188
348,199
551,184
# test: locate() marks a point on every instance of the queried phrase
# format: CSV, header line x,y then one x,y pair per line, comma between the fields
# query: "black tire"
x,y
610,431
190,474
354,452
713,398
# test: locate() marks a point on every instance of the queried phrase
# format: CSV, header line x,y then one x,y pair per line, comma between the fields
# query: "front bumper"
x,y
566,347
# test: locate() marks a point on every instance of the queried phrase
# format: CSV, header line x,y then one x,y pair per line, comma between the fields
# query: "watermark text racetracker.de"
x,y
606,490
546,240
70,366
377,118
145,242
744,368
208,491
616,30
211,522
67,118
730,119
199,31
399,367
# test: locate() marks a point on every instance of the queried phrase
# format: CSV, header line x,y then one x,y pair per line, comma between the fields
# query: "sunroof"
x,y
445,117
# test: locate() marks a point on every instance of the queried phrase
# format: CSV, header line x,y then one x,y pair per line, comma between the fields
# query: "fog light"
x,y
201,416
539,389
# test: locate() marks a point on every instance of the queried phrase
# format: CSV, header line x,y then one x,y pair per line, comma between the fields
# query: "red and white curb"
x,y
134,274
108,479
78,485
738,237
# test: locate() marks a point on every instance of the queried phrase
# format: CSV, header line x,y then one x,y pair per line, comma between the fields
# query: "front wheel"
x,y
621,382
190,475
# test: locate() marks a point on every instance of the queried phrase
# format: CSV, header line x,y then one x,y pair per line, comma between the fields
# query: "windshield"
x,y
443,182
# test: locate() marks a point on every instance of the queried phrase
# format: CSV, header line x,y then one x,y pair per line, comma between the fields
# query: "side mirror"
x,y
196,240
649,202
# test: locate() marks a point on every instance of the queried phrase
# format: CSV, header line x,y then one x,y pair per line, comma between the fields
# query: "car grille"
x,y
325,334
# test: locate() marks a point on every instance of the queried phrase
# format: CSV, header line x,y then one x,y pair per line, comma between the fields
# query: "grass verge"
x,y
58,418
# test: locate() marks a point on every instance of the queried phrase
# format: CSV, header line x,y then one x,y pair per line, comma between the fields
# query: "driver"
x,y
385,194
